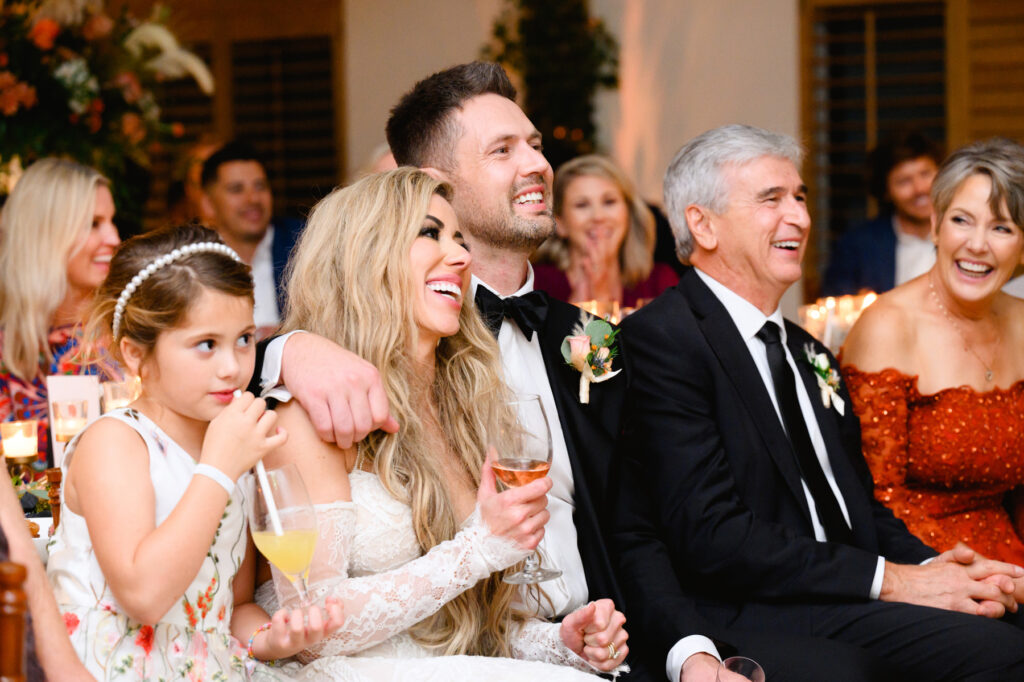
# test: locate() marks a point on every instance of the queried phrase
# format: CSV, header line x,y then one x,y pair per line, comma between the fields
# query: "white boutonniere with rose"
x,y
828,379
590,349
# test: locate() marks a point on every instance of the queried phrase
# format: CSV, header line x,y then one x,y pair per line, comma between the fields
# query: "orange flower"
x,y
145,639
131,89
71,623
43,33
178,129
97,26
133,128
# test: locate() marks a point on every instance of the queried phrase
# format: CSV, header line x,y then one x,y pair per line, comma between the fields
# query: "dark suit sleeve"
x,y
261,350
659,612
713,542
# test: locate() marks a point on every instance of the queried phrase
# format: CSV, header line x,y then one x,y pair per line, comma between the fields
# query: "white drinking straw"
x,y
261,475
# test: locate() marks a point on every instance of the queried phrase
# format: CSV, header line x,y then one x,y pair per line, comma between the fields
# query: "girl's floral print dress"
x,y
192,641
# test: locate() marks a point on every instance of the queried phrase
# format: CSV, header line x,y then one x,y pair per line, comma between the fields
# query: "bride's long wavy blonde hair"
x,y
350,282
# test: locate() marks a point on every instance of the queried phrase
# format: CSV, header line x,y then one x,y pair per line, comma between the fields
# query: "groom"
x,y
742,482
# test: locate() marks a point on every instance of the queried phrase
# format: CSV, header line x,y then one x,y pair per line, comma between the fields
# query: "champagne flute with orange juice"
x,y
524,455
283,523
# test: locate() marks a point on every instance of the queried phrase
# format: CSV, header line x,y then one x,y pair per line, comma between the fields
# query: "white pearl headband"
x,y
166,259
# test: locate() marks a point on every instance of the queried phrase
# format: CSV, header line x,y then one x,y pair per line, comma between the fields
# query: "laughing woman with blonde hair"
x,y
414,537
57,236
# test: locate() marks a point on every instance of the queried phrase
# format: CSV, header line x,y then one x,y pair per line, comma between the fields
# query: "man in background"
x,y
896,246
236,193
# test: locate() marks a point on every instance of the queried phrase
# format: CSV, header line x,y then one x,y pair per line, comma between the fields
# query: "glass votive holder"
x,y
68,418
20,439
117,394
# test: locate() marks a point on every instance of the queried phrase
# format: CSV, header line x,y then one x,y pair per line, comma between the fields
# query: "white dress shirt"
x,y
523,367
265,312
914,255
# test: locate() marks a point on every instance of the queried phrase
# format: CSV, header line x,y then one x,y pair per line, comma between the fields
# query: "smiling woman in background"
x,y
604,243
57,236
933,370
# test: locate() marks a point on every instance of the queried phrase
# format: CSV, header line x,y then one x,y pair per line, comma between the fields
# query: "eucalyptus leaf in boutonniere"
x,y
828,378
590,349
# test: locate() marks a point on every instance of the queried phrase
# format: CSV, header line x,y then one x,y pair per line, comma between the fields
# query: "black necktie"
x,y
528,311
829,513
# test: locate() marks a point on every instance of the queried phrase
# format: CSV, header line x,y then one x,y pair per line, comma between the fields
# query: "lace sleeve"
x,y
380,606
539,640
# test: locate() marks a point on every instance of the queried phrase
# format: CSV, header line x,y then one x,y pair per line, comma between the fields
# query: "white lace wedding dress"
x,y
367,556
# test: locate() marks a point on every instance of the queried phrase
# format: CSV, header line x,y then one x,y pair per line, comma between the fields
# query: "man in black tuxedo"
x,y
742,485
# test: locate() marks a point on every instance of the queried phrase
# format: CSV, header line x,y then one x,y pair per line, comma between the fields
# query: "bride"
x,y
414,538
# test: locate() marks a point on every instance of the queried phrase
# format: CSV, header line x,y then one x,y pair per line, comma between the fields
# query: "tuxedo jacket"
x,y
709,505
863,258
286,233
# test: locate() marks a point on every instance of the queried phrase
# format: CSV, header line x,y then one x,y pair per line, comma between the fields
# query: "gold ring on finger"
x,y
612,653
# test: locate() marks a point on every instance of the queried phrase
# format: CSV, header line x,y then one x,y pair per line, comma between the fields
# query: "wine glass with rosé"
x,y
523,456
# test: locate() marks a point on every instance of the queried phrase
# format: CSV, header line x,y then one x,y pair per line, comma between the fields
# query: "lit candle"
x,y
69,417
19,438
66,428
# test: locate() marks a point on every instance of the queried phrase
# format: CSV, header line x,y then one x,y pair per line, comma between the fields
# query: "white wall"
x,y
391,44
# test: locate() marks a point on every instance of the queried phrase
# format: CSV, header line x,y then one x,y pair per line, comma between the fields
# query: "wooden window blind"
x,y
986,69
869,68
283,104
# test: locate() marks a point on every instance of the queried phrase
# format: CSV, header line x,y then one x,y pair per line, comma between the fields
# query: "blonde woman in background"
x,y
604,238
414,538
57,237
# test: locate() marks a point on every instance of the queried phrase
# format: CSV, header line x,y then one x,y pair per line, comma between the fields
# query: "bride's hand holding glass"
x,y
518,514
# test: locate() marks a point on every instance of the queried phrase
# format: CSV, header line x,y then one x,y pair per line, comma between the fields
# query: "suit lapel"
x,y
588,440
734,356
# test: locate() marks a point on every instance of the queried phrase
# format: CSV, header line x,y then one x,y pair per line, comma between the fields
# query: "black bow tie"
x,y
527,311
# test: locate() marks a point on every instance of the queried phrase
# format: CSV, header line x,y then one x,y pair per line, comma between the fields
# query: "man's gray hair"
x,y
695,175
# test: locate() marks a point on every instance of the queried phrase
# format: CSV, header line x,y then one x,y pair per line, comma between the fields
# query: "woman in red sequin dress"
x,y
934,371
56,239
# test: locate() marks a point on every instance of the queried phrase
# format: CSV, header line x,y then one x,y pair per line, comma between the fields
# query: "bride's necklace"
x,y
967,346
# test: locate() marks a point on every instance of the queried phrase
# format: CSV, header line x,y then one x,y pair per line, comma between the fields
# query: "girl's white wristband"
x,y
217,475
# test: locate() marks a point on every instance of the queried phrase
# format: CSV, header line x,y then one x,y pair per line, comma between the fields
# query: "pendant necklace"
x,y
967,347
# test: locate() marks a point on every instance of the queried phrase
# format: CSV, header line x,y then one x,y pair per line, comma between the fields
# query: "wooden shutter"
x,y
986,69
868,69
283,104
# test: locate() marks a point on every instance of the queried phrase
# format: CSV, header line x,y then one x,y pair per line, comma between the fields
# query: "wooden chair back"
x,y
53,479
13,605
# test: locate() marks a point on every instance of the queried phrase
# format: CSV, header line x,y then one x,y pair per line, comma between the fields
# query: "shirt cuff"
x,y
684,648
270,374
876,584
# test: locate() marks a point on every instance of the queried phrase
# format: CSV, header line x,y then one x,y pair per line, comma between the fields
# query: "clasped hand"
x,y
959,579
589,630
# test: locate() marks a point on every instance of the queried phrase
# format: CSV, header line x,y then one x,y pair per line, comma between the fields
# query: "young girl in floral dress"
x,y
152,546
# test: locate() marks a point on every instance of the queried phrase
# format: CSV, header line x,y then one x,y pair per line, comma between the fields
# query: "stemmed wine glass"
x,y
283,522
524,455
746,668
